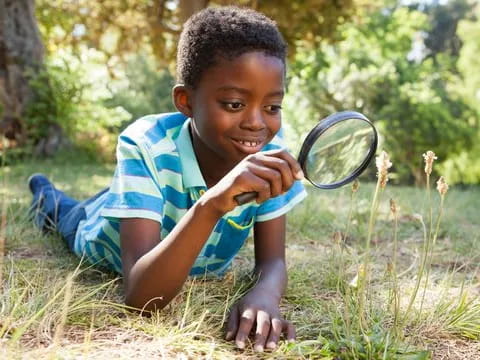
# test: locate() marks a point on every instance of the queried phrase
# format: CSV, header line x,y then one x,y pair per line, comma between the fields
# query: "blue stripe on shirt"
x,y
168,223
169,162
105,238
179,199
133,167
134,200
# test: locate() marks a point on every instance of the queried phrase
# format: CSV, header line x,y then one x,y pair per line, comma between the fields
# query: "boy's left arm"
x,y
259,309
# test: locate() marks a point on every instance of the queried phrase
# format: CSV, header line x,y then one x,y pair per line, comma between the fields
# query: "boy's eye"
x,y
233,105
274,109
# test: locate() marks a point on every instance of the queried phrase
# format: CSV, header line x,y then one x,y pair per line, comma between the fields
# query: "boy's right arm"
x,y
154,271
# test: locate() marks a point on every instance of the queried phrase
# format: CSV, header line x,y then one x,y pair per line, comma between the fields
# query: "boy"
x,y
170,211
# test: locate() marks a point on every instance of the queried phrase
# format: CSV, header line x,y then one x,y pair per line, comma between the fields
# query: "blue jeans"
x,y
53,210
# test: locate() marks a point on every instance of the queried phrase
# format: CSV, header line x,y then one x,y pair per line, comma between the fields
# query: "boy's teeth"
x,y
248,143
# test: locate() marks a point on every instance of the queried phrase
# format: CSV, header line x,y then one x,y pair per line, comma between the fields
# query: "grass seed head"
x,y
383,164
362,272
429,157
389,267
442,186
393,206
337,237
359,277
354,282
417,217
355,186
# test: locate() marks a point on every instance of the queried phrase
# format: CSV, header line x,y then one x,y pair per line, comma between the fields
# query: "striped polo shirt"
x,y
158,177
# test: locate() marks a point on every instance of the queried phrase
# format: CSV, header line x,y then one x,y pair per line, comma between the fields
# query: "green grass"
x,y
51,308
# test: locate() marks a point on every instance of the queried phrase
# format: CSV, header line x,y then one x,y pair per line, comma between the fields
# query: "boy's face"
x,y
236,108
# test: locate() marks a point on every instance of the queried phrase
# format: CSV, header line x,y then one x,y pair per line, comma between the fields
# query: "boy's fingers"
x,y
272,176
275,332
253,182
282,167
292,162
244,328
232,324
263,190
289,330
263,328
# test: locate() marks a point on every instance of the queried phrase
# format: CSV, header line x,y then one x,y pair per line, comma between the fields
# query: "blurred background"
x,y
74,73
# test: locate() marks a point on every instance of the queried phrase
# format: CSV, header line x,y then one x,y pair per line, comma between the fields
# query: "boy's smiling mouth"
x,y
248,146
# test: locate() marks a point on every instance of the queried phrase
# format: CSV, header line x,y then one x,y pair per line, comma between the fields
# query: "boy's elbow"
x,y
145,305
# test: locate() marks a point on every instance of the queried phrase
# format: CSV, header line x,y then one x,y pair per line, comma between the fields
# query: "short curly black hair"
x,y
224,32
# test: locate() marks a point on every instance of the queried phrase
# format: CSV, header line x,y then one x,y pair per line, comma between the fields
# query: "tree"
x,y
21,56
123,27
442,37
118,29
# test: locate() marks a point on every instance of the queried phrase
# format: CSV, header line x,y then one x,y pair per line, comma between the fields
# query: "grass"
x,y
50,307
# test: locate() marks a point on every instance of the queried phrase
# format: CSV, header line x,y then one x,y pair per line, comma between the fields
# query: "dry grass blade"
x,y
462,317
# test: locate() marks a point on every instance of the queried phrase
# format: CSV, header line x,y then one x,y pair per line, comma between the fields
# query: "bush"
x,y
64,99
412,100
146,89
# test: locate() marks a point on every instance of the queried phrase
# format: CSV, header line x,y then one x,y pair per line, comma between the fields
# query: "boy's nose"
x,y
253,120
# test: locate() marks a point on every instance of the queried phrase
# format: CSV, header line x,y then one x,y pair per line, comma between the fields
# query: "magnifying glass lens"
x,y
339,151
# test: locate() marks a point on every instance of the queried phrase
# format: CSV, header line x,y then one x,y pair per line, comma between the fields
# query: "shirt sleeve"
x,y
135,191
281,204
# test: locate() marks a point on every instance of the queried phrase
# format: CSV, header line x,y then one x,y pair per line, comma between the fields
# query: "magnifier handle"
x,y
245,197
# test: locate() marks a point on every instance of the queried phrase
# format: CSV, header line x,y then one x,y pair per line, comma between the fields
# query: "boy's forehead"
x,y
245,68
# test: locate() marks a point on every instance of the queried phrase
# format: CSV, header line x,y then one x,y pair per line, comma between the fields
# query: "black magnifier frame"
x,y
310,141
323,126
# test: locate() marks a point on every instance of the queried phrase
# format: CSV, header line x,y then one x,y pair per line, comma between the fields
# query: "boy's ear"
x,y
181,99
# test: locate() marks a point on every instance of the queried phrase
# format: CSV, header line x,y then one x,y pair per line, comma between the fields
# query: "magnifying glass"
x,y
335,152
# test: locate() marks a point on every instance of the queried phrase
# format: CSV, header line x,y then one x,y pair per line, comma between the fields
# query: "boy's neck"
x,y
213,170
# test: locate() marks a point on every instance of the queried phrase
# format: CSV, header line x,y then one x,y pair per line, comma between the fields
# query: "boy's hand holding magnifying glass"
x,y
262,175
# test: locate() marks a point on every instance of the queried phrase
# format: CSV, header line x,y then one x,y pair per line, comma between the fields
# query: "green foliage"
x,y
58,93
423,116
465,166
380,69
144,90
469,31
65,98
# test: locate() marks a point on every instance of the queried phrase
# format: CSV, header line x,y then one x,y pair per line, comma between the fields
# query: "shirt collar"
x,y
192,176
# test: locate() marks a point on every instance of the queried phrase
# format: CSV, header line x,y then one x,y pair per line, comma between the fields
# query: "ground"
x,y
51,307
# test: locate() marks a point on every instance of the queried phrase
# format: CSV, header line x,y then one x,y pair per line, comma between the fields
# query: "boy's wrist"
x,y
267,292
217,202
212,205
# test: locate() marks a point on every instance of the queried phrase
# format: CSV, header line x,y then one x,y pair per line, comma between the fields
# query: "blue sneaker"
x,y
39,186
36,182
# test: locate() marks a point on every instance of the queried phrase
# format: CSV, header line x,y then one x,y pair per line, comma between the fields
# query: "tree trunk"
x,y
21,55
158,16
190,7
